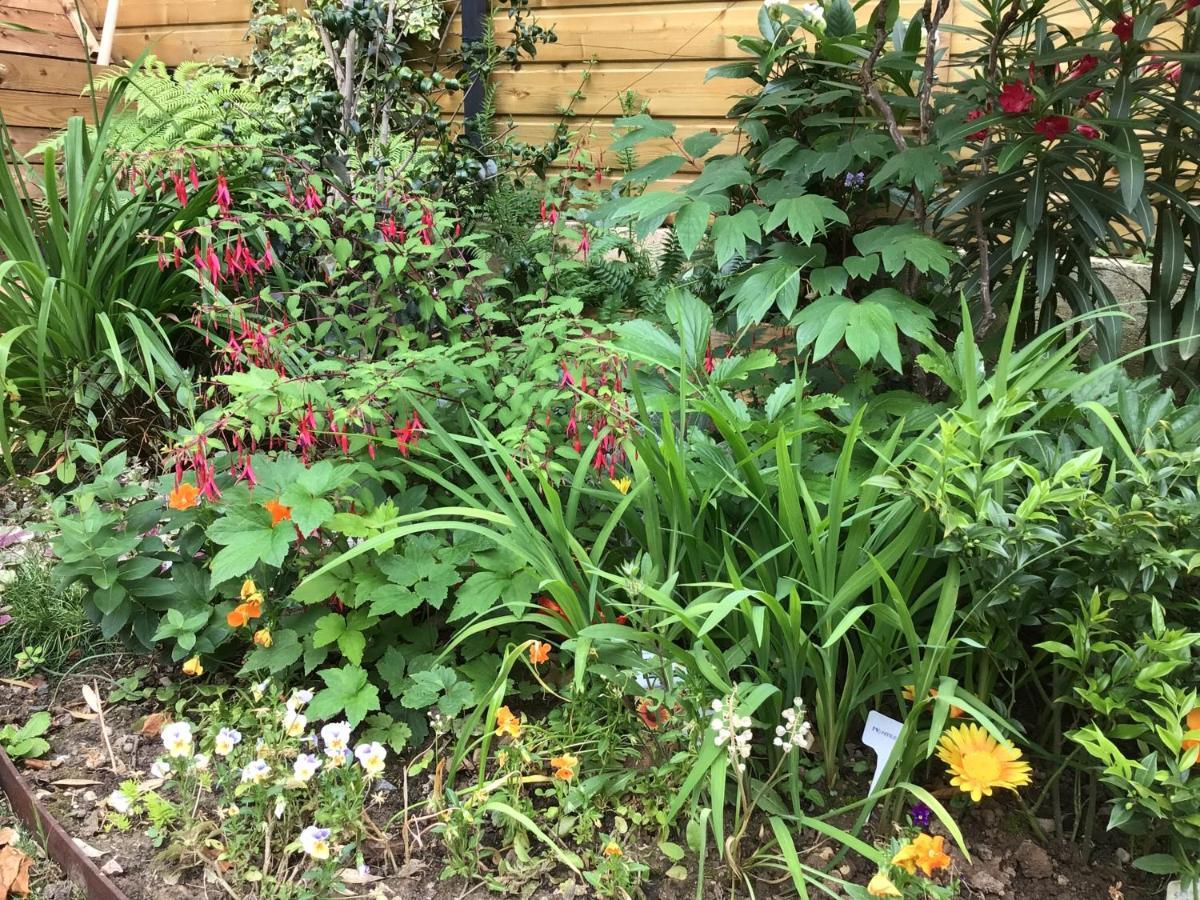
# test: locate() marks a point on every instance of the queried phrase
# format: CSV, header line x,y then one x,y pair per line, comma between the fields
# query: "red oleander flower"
x,y
982,132
1051,128
1082,66
1087,131
1016,98
1123,28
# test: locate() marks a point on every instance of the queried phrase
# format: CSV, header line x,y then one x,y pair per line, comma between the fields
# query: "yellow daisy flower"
x,y
979,763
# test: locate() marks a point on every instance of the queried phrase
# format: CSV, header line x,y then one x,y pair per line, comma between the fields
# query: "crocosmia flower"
x,y
177,739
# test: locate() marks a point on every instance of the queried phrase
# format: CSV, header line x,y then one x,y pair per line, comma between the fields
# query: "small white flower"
x,y
371,757
335,759
336,736
294,724
227,739
280,806
200,761
314,841
177,739
118,802
299,700
260,689
305,767
256,772
160,768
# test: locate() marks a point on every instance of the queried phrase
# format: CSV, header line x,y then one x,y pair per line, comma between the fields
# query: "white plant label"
x,y
1176,890
880,734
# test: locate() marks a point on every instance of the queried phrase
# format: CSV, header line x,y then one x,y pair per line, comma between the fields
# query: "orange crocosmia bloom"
x,y
539,652
923,852
184,496
909,692
242,613
507,723
1193,724
565,766
279,512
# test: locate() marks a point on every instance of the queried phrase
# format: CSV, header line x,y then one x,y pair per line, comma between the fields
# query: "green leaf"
x,y
247,538
390,667
690,224
901,244
806,216
328,629
348,692
698,145
1157,864
639,128
839,19
283,653
730,234
774,283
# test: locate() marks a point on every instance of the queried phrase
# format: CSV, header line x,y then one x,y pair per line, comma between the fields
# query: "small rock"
x,y
1034,861
127,745
89,797
60,890
986,882
1062,879
112,867
1123,856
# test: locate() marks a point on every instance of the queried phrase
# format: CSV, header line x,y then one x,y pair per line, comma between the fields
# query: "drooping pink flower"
x,y
312,200
180,190
1016,98
223,197
709,362
389,230
1088,131
584,244
194,176
1051,128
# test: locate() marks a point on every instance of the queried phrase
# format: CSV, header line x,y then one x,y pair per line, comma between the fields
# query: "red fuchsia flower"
x,y
567,379
427,227
584,244
1087,131
193,176
1051,128
291,196
709,362
549,214
180,190
1123,28
223,197
389,230
1016,98
1082,66
408,434
981,133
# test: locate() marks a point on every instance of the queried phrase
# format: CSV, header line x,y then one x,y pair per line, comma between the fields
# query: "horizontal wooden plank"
x,y
175,45
42,110
142,13
25,138
43,74
45,6
49,22
672,89
64,46
595,136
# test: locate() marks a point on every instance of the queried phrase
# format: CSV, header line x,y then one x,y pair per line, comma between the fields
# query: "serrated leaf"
x,y
347,692
691,222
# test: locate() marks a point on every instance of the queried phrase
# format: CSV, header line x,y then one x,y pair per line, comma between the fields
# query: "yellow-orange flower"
x,y
507,723
539,652
881,886
242,613
612,848
979,764
184,496
923,852
263,638
279,512
621,484
250,591
1193,724
910,692
193,667
564,767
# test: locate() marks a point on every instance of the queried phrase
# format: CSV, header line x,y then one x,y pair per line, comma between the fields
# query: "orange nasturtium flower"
x,y
612,848
1193,724
507,723
539,652
262,637
193,667
279,512
184,496
249,608
923,852
564,767
910,691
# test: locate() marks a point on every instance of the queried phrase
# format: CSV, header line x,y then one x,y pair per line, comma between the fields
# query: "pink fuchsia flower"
x,y
1088,131
224,198
312,200
981,133
1082,66
1123,28
584,244
1051,128
1016,98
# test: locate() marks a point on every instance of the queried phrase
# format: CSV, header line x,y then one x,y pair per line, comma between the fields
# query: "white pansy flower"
x,y
314,841
200,761
294,724
336,736
177,739
227,739
280,806
260,689
305,767
371,757
256,772
299,700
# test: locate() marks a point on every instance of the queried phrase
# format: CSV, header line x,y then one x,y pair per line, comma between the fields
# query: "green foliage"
x,y
26,741
41,615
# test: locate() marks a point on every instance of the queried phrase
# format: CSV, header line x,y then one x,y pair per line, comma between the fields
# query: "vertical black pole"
x,y
473,12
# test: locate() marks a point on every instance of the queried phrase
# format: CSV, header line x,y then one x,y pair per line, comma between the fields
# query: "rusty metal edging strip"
x,y
54,839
